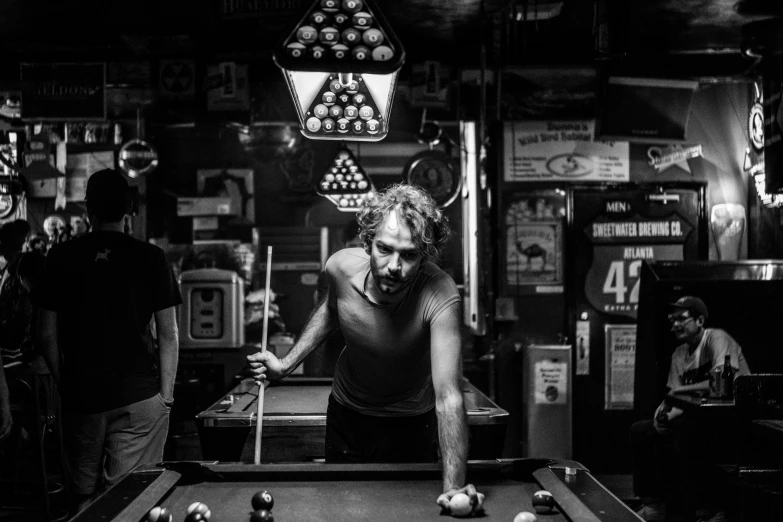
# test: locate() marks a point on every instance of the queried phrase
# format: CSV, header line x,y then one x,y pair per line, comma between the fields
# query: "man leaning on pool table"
x,y
401,367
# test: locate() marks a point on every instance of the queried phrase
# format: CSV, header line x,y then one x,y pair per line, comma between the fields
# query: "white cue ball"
x,y
460,505
525,516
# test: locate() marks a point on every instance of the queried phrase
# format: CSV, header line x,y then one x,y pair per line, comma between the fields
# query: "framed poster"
x,y
620,353
63,91
533,243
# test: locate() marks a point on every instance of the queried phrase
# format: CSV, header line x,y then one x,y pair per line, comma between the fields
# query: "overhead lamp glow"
x,y
341,63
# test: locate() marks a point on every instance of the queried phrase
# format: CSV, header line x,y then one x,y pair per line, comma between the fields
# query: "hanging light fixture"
x,y
341,63
345,183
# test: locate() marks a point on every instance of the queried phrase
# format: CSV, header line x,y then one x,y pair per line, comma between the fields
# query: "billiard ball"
x,y
195,517
543,501
262,515
525,516
459,505
159,514
263,500
199,507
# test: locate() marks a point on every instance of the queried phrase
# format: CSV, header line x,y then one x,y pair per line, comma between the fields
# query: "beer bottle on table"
x,y
727,379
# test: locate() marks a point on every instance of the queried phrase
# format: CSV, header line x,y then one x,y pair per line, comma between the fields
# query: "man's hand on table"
x,y
265,365
475,501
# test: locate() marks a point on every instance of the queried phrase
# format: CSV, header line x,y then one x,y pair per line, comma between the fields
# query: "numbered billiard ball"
x,y
373,126
317,52
319,18
263,500
351,36
262,515
361,52
382,53
307,34
543,501
362,20
159,514
329,35
195,517
295,50
199,507
352,6
372,37
525,516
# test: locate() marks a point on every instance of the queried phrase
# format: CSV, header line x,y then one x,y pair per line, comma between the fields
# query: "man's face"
x,y
394,258
684,326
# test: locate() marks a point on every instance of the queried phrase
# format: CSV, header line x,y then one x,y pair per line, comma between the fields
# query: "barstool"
x,y
34,398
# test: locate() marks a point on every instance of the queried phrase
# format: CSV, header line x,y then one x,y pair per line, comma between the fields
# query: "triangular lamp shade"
x,y
345,183
341,63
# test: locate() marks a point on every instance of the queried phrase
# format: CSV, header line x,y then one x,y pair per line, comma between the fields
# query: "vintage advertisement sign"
x,y
620,365
612,283
534,253
620,245
227,87
533,242
177,79
536,151
669,229
63,91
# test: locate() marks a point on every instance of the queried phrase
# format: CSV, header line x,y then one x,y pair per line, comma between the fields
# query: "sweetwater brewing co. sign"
x,y
535,151
620,245
63,91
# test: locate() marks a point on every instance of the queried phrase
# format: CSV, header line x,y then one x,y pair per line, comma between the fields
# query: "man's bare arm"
x,y
446,354
168,349
47,342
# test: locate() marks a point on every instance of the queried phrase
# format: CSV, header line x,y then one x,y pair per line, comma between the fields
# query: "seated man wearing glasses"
x,y
668,447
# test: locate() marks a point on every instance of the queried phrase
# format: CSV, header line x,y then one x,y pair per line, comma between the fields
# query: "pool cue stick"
x,y
260,401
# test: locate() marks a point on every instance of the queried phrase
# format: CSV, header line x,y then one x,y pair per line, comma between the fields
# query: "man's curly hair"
x,y
429,227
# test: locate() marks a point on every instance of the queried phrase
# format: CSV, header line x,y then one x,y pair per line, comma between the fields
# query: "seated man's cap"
x,y
693,304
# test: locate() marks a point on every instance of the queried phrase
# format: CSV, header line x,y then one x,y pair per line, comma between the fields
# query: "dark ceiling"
x,y
646,33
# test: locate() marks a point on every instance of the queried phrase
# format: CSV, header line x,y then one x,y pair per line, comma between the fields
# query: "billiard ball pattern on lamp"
x,y
341,63
345,183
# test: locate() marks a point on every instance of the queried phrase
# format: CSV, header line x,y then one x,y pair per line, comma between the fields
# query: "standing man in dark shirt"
x,y
100,295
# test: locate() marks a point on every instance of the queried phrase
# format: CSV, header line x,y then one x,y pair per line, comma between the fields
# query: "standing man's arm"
x,y
168,350
47,341
446,355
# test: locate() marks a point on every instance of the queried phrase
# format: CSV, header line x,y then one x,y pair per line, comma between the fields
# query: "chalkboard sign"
x,y
63,91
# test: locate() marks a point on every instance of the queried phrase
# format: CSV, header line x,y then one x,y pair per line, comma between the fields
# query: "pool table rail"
x,y
580,498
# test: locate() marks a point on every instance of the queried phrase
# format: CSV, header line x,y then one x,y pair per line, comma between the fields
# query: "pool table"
x,y
354,492
294,423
